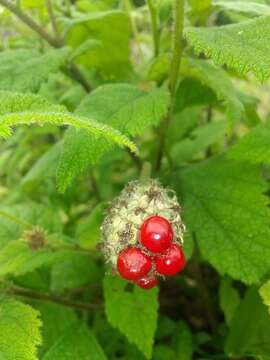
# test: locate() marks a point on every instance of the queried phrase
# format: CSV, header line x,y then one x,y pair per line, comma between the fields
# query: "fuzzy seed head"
x,y
125,216
36,238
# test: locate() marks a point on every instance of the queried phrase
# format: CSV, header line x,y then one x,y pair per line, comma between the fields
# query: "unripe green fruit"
x,y
125,216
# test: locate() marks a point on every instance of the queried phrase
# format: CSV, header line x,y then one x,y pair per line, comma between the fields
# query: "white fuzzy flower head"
x,y
137,202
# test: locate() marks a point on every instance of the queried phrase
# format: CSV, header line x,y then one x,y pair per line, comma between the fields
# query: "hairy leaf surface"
x,y
19,331
227,211
133,312
122,106
244,46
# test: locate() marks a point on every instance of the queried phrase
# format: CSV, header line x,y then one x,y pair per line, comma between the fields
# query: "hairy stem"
x,y
53,19
155,25
73,71
16,290
27,20
128,9
177,47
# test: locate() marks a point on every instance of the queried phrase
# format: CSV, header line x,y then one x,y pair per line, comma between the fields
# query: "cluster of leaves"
x,y
97,78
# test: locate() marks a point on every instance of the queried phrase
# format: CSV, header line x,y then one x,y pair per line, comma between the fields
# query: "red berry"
x,y
156,234
171,262
147,282
132,263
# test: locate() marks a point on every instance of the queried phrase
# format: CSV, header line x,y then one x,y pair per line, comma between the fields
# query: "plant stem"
x,y
26,19
176,45
15,219
128,9
177,48
53,19
52,298
73,71
95,187
154,23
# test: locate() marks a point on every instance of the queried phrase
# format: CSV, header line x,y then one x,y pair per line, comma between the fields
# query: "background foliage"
x,y
120,90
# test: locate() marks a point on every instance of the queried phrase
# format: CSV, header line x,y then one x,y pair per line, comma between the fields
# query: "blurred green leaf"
x,y
229,299
250,328
112,29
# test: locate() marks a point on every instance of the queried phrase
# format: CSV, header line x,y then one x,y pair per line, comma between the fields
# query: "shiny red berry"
x,y
147,282
156,234
171,262
133,264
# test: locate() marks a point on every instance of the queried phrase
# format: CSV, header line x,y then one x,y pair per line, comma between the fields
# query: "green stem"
x,y
128,9
177,44
26,19
73,71
155,25
177,48
15,219
52,298
53,19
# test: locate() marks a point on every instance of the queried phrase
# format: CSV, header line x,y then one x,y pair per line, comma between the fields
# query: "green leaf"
x,y
19,331
265,294
28,212
56,319
229,299
183,342
27,70
191,92
122,106
133,311
200,139
75,271
14,113
44,167
226,209
253,147
88,230
112,29
218,80
200,5
77,342
85,47
250,329
243,6
243,47
17,258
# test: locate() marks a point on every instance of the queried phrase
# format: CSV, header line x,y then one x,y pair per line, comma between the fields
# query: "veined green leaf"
x,y
122,106
26,70
19,331
134,312
77,342
227,211
244,47
253,147
15,111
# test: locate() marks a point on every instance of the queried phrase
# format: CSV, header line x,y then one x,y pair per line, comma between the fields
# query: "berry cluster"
x,y
157,254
